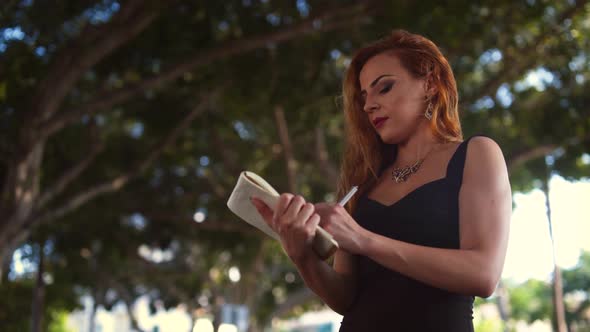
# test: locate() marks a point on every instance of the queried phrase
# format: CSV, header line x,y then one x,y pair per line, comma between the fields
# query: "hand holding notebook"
x,y
249,184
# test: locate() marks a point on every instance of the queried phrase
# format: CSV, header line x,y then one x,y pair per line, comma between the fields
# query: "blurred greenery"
x,y
531,301
123,120
59,322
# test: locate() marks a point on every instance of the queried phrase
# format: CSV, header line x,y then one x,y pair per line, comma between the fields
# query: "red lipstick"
x,y
378,121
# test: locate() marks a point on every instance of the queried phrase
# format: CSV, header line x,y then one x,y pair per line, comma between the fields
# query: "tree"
x,y
532,300
576,287
80,65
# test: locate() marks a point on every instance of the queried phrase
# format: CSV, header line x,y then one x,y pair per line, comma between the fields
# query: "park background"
x,y
125,124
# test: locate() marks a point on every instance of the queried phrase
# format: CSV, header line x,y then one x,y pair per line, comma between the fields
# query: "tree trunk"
x,y
192,317
290,162
38,295
19,194
558,305
132,320
503,304
216,317
92,319
5,268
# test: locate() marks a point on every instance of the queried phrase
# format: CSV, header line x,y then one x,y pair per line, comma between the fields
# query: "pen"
x,y
348,196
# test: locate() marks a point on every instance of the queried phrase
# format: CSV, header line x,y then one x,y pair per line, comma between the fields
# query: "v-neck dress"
x,y
389,301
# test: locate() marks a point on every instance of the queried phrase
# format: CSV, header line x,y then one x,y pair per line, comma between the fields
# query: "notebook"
x,y
250,184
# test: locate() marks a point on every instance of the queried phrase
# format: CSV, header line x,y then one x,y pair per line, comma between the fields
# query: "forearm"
x,y
456,270
335,289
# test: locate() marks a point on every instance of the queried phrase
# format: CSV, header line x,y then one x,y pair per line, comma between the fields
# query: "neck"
x,y
415,147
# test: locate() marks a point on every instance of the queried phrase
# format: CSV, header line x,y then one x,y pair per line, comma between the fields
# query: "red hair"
x,y
365,154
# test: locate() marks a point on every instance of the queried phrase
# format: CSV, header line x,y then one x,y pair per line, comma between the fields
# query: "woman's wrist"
x,y
364,242
304,261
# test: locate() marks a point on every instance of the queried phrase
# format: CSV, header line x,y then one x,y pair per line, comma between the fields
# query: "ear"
x,y
430,90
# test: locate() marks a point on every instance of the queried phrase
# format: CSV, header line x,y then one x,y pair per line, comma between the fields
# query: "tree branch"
x,y
69,176
217,187
120,181
326,167
528,154
25,185
329,20
290,161
21,191
90,47
229,158
514,67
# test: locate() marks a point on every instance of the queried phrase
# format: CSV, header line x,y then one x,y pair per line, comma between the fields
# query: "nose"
x,y
371,106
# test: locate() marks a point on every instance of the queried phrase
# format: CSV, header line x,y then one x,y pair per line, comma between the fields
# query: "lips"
x,y
378,121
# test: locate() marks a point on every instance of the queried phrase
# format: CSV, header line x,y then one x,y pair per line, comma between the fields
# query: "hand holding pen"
x,y
338,222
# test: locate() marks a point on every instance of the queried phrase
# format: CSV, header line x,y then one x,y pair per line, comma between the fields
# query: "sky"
x,y
529,252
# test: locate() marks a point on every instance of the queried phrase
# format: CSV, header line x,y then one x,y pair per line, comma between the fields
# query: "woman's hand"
x,y
346,231
295,221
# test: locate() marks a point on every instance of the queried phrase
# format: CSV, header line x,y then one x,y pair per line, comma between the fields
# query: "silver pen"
x,y
348,196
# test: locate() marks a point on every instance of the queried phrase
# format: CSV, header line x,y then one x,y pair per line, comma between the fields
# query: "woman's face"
x,y
394,101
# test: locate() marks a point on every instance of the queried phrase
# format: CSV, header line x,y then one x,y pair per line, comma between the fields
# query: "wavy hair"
x,y
365,155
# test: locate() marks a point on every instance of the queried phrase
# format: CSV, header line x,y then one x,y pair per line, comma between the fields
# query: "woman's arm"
x,y
335,286
485,207
295,222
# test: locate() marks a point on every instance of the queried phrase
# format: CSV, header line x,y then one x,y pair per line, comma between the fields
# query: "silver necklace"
x,y
401,174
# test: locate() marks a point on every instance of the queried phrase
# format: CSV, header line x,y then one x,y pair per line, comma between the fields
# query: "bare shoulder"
x,y
483,151
484,162
482,145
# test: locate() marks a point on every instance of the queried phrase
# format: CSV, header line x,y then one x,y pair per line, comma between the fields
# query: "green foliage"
x,y
59,322
15,305
576,283
488,325
532,300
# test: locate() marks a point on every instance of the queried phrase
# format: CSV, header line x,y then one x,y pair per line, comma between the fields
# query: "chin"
x,y
390,138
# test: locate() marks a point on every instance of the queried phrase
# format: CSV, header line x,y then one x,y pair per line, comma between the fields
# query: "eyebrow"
x,y
376,81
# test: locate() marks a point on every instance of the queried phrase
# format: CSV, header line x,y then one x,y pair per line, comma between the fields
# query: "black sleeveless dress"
x,y
389,301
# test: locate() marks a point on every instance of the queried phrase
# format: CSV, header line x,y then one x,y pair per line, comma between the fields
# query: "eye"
x,y
386,88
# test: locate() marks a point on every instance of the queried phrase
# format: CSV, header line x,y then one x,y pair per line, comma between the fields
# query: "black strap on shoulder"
x,y
457,163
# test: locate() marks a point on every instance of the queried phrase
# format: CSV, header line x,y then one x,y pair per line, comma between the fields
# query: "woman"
x,y
429,227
